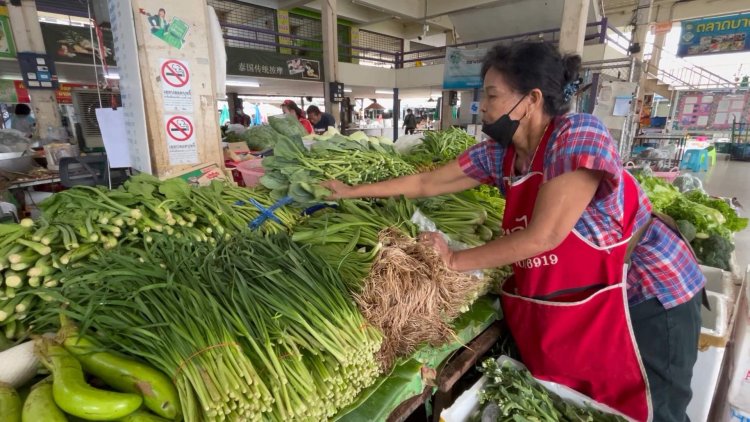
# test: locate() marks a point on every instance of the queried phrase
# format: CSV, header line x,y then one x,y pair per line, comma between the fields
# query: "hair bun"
x,y
571,67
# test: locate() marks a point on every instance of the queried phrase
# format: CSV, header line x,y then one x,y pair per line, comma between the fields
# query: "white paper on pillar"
x,y
220,53
115,136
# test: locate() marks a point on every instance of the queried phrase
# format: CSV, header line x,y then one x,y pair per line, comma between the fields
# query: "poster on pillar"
x,y
241,61
7,45
181,145
73,44
175,84
173,30
722,34
463,68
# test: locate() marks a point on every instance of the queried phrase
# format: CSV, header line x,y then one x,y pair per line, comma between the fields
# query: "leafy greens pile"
x,y
511,394
297,172
708,223
440,147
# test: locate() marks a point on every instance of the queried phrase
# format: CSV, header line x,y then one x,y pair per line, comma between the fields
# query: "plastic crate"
x,y
251,171
740,152
723,147
669,176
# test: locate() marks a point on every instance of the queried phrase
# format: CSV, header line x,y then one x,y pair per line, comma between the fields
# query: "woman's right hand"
x,y
339,190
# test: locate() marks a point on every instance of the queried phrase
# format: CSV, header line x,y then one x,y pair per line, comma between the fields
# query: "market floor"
x,y
732,179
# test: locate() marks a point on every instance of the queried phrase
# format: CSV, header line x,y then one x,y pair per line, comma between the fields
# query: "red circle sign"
x,y
179,128
175,73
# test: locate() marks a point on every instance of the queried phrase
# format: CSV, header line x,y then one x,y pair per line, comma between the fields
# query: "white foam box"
x,y
719,281
468,402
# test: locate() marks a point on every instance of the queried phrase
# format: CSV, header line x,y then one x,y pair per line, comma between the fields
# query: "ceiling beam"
x,y
354,13
291,4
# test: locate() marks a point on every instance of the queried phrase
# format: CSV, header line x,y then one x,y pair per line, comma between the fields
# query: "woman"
x,y
22,121
290,107
625,336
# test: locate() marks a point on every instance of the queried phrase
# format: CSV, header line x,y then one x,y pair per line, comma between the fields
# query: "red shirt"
x,y
306,123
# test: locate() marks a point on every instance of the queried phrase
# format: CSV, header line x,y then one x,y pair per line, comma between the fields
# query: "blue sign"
x,y
475,107
722,34
463,68
37,70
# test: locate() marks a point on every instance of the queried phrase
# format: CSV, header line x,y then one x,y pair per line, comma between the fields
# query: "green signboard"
x,y
72,44
7,45
241,61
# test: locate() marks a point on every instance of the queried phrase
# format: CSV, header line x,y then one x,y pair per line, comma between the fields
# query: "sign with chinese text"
x,y
723,34
72,44
463,68
241,61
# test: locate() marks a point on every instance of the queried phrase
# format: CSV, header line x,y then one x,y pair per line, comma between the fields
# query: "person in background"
x,y
159,21
21,120
241,118
320,120
410,122
290,107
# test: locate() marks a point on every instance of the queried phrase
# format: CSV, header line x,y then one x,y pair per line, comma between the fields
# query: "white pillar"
x,y
573,26
330,53
27,33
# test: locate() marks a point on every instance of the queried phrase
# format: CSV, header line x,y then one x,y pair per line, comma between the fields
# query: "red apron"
x,y
567,308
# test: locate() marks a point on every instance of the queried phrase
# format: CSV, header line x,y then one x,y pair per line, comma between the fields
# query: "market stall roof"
x,y
374,106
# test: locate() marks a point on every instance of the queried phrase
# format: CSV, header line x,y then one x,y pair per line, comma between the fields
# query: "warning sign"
x,y
175,84
181,139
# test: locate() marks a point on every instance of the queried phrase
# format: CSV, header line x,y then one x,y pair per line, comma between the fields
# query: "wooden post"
x,y
176,69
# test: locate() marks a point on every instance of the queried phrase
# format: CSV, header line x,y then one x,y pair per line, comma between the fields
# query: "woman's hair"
x,y
529,65
21,110
291,105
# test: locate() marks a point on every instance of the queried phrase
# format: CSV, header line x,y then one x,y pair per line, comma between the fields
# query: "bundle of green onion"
x,y
252,329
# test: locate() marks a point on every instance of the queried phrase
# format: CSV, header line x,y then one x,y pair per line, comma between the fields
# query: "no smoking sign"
x,y
175,86
175,73
181,143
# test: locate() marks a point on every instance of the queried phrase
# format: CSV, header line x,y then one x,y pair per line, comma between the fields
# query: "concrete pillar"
x,y
653,64
27,32
640,31
396,114
573,26
330,52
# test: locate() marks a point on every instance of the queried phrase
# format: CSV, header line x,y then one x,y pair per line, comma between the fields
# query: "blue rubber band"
x,y
266,213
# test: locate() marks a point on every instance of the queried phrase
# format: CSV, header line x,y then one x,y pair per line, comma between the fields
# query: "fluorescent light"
x,y
249,84
384,91
347,90
112,76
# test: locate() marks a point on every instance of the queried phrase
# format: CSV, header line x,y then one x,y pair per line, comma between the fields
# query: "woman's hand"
x,y
339,190
437,241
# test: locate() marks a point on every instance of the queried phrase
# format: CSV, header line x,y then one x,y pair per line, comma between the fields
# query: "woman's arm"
x,y
446,179
558,208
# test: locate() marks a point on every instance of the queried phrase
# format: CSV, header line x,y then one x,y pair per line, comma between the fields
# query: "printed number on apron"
x,y
538,262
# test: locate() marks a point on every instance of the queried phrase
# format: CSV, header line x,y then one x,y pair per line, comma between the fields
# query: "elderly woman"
x,y
606,296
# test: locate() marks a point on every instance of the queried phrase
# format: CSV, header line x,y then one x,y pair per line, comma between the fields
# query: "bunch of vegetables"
x,y
81,224
708,223
440,147
137,392
511,394
297,172
471,217
255,328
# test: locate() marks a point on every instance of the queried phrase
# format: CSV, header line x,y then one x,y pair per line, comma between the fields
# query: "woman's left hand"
x,y
437,241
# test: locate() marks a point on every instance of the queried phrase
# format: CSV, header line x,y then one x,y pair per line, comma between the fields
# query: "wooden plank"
x,y
405,409
465,360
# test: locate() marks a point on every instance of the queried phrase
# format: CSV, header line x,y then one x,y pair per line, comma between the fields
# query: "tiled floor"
x,y
732,179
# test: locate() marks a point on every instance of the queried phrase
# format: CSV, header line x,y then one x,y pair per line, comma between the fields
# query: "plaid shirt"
x,y
662,266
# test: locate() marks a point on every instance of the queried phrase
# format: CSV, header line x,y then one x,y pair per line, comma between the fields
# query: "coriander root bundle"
x,y
412,297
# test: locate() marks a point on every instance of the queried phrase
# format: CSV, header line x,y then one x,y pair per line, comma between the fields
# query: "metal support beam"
x,y
330,52
396,113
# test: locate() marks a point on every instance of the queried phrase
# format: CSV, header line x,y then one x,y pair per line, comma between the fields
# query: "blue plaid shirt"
x,y
662,265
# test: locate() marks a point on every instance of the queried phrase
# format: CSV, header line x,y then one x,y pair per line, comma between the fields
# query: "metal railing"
x,y
668,68
597,33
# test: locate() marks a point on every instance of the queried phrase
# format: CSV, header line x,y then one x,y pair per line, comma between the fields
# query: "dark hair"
x,y
313,110
162,10
529,65
291,105
408,110
21,110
